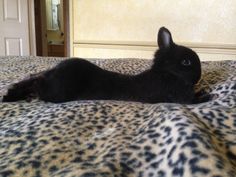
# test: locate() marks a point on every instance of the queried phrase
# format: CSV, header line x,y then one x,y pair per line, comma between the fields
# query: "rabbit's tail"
x,y
23,90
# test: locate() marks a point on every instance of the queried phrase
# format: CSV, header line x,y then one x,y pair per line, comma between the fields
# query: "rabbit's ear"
x,y
164,38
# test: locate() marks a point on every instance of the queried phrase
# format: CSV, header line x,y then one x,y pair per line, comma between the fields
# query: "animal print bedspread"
x,y
120,139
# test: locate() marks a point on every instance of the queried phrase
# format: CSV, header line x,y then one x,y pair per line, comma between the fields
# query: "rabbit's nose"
x,y
186,62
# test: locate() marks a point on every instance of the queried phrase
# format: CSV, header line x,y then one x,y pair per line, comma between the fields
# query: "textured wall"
x,y
211,21
195,21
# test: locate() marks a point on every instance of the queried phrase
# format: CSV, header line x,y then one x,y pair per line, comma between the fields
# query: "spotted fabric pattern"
x,y
117,138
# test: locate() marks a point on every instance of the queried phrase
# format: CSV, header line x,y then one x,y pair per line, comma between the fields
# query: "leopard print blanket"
x,y
115,138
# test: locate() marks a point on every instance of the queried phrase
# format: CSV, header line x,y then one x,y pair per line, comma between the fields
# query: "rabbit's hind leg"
x,y
20,91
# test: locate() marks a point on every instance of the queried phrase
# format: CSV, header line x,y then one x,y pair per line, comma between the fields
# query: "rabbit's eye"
x,y
186,62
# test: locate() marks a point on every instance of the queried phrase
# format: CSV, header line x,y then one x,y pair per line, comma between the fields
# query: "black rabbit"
x,y
175,71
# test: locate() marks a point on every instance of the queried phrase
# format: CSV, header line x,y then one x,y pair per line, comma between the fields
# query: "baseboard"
x,y
207,51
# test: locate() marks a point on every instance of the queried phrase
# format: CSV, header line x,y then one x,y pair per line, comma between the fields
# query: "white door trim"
x,y
32,37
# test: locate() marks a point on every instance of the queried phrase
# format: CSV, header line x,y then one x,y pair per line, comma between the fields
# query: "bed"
x,y
115,138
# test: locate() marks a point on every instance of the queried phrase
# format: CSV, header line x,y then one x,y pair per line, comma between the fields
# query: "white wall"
x,y
128,28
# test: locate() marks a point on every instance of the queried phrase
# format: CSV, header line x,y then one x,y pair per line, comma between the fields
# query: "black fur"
x,y
175,71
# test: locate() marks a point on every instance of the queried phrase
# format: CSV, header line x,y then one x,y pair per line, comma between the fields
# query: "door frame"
x,y
31,24
42,22
66,18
